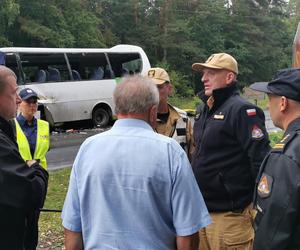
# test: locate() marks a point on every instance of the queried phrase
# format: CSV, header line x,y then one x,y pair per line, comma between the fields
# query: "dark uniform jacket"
x,y
277,197
21,190
231,142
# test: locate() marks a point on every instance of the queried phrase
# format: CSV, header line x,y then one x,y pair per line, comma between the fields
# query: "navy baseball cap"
x,y
27,93
286,82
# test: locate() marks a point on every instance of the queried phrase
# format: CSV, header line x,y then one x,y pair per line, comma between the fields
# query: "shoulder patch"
x,y
251,112
283,142
256,132
264,187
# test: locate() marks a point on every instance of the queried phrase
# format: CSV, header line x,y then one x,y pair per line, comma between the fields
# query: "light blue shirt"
x,y
131,188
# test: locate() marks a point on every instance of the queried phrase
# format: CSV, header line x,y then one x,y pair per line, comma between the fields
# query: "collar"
x,y
6,127
130,122
220,95
293,126
173,114
23,122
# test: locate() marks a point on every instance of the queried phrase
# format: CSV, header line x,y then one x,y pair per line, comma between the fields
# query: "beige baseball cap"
x,y
218,61
158,75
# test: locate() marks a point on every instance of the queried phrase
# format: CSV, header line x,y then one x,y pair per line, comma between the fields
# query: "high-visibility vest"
x,y
42,143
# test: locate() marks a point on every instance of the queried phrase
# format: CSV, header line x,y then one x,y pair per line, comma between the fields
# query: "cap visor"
x,y
201,66
30,96
261,87
157,81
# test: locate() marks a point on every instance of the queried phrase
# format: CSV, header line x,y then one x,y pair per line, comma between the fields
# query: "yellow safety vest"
x,y
42,142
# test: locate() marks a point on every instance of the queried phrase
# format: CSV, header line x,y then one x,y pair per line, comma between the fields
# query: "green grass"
x,y
185,103
275,137
193,102
50,227
262,103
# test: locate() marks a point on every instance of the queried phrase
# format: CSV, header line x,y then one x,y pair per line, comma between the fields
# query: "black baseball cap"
x,y
27,93
286,82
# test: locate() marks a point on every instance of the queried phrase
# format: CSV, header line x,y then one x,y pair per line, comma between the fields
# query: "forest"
x,y
173,33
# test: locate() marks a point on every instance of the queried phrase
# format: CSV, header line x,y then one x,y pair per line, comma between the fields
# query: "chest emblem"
x,y
251,112
264,187
219,116
256,132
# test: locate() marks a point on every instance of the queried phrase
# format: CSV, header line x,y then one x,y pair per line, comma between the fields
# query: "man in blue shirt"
x,y
131,188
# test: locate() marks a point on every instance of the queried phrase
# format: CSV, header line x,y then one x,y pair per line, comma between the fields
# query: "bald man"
x,y
23,185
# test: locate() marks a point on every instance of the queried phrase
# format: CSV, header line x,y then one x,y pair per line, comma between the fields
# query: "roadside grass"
x,y
275,137
193,102
50,227
185,103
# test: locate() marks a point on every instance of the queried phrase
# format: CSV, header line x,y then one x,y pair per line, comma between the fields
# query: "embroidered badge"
x,y
264,187
151,73
257,132
251,112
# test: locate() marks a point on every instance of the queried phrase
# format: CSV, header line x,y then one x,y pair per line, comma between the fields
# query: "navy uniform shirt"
x,y
231,142
277,196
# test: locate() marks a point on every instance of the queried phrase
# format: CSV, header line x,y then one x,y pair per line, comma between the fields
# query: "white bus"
x,y
74,84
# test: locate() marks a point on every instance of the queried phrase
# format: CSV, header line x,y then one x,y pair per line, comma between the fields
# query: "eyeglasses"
x,y
31,101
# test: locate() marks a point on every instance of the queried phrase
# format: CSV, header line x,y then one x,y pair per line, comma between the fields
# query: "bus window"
x,y
125,63
53,65
10,60
87,66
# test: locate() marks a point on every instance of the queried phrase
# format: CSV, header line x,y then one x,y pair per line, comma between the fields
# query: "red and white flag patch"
x,y
251,112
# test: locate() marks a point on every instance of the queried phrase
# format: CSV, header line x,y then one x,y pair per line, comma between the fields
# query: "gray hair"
x,y
4,73
136,94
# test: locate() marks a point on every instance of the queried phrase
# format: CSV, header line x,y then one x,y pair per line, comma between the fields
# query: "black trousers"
x,y
32,230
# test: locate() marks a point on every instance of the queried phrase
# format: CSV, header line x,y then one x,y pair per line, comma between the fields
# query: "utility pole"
x,y
296,48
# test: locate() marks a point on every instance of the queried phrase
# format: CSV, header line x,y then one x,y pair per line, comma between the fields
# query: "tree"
x,y
9,12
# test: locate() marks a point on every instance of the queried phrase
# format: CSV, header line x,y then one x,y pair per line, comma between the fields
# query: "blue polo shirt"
x,y
30,131
131,188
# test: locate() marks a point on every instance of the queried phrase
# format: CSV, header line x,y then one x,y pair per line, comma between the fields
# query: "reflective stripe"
x,y
180,132
42,142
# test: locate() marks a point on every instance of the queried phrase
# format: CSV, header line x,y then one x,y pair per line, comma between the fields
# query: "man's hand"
x,y
31,162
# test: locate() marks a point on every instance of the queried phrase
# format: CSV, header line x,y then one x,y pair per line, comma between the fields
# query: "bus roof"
x,y
116,49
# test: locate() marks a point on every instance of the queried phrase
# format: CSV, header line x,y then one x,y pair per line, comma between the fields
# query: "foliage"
x,y
275,137
185,103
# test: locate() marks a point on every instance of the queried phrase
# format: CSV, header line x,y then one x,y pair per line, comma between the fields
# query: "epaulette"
x,y
281,145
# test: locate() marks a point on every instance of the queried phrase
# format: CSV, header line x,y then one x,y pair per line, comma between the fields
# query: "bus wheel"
x,y
100,117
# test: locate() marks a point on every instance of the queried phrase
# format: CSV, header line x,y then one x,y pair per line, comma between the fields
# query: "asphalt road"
x,y
64,146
